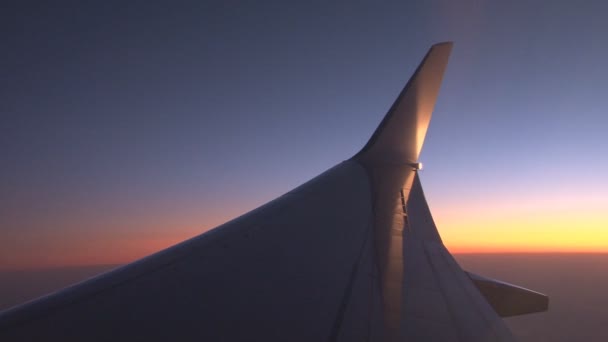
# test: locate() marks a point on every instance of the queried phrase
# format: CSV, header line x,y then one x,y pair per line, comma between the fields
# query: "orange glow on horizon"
x,y
118,245
102,251
492,226
537,226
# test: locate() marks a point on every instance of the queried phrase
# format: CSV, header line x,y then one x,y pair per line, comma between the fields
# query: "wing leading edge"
x,y
351,255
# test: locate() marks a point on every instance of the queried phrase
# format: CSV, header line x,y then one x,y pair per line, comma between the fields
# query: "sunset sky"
x,y
128,128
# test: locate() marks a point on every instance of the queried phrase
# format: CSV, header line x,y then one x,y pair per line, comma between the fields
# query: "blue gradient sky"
x,y
128,127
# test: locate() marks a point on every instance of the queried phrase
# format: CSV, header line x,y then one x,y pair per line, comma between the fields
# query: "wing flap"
x,y
507,299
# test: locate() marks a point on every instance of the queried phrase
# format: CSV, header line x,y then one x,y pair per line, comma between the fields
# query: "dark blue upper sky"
x,y
131,110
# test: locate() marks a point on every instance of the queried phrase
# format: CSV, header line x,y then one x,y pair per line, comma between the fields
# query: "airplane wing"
x,y
352,255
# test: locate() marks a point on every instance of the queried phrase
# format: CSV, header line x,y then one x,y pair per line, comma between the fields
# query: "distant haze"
x,y
575,283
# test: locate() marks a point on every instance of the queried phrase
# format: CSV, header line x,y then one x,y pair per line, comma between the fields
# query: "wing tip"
x,y
447,46
446,43
404,138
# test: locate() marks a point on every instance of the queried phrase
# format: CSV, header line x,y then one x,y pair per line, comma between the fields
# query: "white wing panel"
x,y
281,272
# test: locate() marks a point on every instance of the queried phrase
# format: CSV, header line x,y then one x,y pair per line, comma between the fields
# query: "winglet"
x,y
399,137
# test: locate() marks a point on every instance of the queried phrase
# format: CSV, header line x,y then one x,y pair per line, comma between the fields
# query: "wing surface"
x,y
352,255
282,272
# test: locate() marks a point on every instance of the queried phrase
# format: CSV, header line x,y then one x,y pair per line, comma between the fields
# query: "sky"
x,y
127,127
